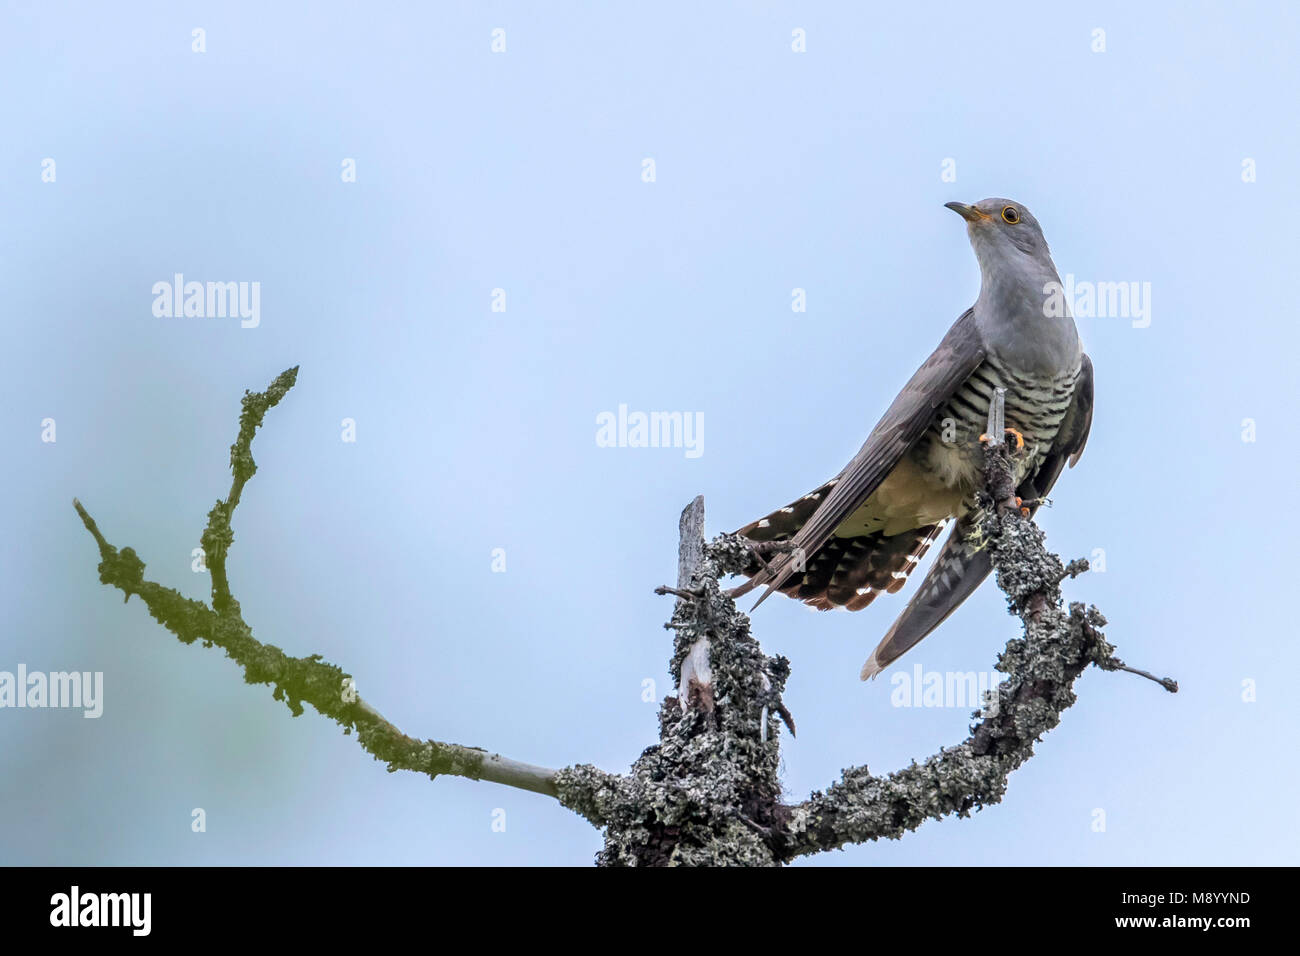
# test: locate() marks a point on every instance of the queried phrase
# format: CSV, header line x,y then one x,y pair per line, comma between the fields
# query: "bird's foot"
x,y
1013,503
758,555
761,550
1025,506
1020,439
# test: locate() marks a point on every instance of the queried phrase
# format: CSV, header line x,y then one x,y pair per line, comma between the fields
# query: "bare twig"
x,y
678,592
1168,683
690,542
695,685
997,420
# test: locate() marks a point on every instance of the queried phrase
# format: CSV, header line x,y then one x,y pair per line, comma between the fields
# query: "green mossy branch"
x,y
295,680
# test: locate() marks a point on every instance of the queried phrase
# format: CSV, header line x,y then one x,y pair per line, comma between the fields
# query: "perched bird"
x,y
863,531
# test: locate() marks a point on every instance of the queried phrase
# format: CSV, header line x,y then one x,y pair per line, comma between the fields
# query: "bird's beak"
x,y
969,213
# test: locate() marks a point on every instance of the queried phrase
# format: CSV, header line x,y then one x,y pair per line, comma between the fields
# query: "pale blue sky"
x,y
476,430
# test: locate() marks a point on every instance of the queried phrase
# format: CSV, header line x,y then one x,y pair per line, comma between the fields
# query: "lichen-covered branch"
x,y
217,537
1041,667
708,793
296,680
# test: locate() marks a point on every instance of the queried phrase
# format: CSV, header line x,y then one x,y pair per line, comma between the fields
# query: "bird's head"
x,y
1001,231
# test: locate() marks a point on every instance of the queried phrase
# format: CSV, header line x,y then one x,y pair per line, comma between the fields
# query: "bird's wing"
x,y
962,565
1070,437
960,352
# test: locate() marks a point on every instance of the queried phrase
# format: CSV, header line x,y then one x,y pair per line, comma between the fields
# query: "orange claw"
x,y
1020,439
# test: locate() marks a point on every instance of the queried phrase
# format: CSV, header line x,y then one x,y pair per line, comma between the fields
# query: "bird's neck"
x,y
1019,290
1022,322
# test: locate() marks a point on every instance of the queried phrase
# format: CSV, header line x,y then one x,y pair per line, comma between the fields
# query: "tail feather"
x,y
844,572
784,523
960,568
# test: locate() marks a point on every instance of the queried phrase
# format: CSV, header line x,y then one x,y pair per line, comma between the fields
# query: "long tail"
x,y
960,568
844,572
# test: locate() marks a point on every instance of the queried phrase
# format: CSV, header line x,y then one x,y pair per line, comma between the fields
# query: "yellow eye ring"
x,y
1009,215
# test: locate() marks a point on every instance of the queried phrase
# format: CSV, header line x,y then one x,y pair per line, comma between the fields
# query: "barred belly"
x,y
950,447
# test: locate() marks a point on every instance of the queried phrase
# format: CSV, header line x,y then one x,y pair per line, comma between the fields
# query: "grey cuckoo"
x,y
863,531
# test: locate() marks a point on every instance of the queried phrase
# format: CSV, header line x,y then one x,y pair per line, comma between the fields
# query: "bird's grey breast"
x,y
1035,407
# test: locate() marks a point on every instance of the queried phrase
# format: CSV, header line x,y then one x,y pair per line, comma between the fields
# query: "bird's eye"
x,y
1010,215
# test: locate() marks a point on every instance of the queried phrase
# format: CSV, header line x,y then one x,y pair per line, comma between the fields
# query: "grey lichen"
x,y
1041,668
708,792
